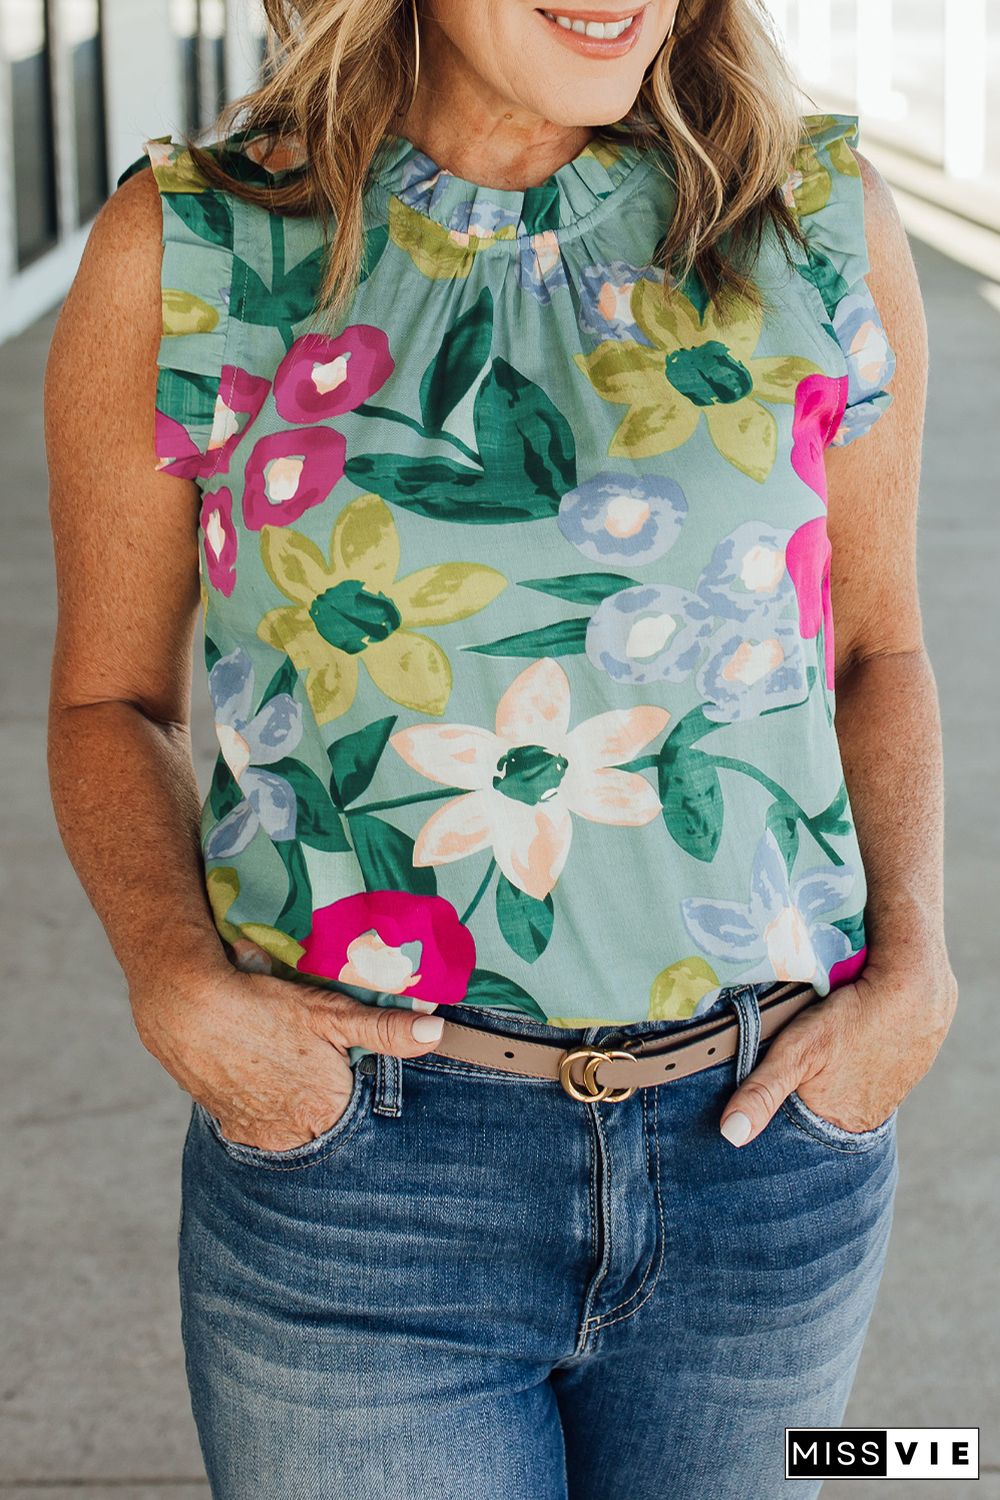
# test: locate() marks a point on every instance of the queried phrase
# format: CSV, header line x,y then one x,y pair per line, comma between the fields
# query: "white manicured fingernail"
x,y
736,1127
428,1028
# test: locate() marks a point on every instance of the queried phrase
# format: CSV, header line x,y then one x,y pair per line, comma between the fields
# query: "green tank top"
x,y
516,589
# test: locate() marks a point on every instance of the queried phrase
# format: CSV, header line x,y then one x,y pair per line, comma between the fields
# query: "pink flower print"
x,y
290,471
807,558
848,969
241,396
394,943
220,541
176,451
526,780
321,377
819,406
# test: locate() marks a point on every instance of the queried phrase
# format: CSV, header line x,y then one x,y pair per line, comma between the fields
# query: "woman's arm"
x,y
854,1058
125,544
267,1057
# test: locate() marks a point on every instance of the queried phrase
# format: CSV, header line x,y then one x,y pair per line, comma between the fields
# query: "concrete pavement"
x,y
93,1400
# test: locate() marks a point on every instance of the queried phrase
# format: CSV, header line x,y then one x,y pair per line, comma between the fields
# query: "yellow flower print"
x,y
678,990
689,369
352,607
808,185
257,948
183,312
173,166
440,253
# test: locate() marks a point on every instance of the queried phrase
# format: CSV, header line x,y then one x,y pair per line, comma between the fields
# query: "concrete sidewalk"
x,y
94,1400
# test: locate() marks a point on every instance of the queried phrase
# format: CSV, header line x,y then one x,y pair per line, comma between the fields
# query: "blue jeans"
x,y
476,1286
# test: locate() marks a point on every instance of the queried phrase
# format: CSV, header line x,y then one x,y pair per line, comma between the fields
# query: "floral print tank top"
x,y
516,590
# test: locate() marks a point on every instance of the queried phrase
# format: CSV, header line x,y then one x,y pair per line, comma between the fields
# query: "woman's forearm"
x,y
889,730
127,805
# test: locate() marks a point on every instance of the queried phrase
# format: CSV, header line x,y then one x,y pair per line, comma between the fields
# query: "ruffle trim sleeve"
x,y
826,192
199,401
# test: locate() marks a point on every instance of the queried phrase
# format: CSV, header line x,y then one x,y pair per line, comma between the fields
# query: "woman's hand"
x,y
853,1056
269,1057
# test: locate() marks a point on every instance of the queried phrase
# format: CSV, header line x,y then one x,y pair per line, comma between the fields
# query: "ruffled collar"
x,y
571,193
401,170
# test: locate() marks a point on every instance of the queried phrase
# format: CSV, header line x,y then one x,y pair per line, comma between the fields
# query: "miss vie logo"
x,y
881,1452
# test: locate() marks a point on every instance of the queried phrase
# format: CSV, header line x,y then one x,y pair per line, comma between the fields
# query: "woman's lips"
x,y
592,46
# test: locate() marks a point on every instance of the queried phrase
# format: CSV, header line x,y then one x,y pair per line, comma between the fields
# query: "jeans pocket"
x,y
835,1136
356,1108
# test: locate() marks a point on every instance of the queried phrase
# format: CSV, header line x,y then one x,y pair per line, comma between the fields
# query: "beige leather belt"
x,y
596,1074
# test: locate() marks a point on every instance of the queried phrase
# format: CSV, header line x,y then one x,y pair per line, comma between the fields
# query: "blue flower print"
x,y
248,741
752,667
606,300
421,182
540,266
860,332
746,574
779,933
647,634
480,217
616,518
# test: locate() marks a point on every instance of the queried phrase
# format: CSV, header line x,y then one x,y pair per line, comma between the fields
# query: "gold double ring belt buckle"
x,y
593,1092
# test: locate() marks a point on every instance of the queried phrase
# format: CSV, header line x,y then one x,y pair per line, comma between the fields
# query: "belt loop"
x,y
747,1007
388,1098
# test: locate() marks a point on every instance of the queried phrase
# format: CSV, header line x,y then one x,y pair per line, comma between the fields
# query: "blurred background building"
x,y
84,82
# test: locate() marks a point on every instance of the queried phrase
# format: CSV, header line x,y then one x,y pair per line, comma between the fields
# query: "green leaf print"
x,y
526,449
540,209
832,819
385,855
464,351
580,588
212,653
208,215
188,398
375,242
519,430
317,821
487,988
444,490
224,793
295,917
692,800
525,922
853,927
563,638
283,681
824,276
784,824
290,300
354,760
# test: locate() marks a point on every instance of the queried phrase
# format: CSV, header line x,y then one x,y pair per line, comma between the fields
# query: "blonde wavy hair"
x,y
718,101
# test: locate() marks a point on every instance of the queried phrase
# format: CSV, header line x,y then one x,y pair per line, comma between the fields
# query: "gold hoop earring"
x,y
416,52
669,40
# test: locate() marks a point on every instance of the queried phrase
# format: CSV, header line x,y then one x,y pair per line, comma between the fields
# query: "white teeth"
x,y
603,30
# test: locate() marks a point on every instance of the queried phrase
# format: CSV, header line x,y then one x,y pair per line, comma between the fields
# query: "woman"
x,y
545,1000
